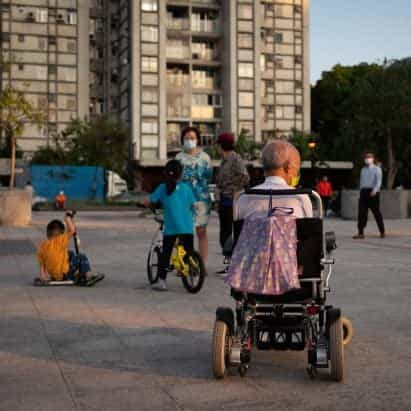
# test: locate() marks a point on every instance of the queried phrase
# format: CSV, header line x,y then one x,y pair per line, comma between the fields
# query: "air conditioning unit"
x,y
31,17
298,9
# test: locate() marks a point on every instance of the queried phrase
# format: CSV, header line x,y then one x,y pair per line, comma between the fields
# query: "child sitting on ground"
x,y
57,263
178,200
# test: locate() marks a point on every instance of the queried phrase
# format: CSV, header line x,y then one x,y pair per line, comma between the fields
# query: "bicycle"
x,y
188,264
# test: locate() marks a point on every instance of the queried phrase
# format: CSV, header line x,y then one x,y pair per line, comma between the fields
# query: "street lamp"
x,y
312,145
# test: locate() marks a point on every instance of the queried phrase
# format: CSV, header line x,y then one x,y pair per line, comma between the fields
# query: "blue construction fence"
x,y
77,182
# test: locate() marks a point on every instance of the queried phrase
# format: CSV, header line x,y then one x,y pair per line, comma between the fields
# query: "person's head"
x,y
61,193
280,158
190,138
226,141
325,178
55,228
369,158
173,172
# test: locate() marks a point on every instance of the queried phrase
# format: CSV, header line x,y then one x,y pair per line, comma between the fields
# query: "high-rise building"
x,y
44,48
161,65
218,65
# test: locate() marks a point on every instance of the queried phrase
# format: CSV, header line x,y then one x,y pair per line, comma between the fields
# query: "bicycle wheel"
x,y
195,278
152,264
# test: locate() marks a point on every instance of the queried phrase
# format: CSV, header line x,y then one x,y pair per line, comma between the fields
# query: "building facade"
x,y
44,47
217,65
161,65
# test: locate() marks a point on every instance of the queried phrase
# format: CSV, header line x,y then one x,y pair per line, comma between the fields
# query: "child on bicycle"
x,y
177,200
57,263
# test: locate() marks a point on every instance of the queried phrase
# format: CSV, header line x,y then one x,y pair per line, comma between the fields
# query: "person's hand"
x,y
70,213
373,193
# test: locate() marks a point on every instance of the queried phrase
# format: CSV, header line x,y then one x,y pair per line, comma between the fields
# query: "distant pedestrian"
x,y
370,186
60,201
28,187
232,177
325,190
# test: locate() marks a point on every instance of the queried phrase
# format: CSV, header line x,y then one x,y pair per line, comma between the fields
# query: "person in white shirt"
x,y
281,163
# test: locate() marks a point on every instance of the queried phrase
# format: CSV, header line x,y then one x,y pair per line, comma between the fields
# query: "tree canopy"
x,y
103,141
366,107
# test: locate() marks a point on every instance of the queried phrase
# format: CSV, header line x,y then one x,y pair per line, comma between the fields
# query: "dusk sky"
x,y
353,31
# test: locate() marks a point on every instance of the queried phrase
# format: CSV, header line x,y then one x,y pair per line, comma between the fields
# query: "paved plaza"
x,y
120,346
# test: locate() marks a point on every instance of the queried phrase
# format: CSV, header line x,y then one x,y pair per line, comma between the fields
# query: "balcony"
x,y
205,112
178,24
178,110
205,26
177,50
178,80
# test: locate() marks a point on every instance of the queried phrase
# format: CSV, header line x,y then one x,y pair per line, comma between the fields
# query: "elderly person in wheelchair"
x,y
279,275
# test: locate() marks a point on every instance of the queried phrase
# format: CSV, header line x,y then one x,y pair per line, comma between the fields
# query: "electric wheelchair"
x,y
297,320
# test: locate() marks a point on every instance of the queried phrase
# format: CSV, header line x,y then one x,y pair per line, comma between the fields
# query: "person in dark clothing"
x,y
370,186
232,177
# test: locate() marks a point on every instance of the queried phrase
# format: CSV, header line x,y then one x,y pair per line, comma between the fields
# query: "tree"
x,y
103,141
365,107
382,102
15,112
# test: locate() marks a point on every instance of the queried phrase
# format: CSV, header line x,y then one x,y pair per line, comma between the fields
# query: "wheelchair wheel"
x,y
195,278
220,349
348,330
152,264
336,347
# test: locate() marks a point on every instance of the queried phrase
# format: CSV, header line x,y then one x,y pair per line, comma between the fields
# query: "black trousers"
x,y
368,202
326,202
187,240
225,214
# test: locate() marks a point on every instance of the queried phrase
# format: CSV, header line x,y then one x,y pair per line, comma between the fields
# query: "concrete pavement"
x,y
119,346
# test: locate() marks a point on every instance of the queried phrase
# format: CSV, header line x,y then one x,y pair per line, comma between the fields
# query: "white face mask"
x,y
190,144
369,161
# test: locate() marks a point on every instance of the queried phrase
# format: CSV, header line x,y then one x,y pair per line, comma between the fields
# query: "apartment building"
x,y
45,45
161,65
217,65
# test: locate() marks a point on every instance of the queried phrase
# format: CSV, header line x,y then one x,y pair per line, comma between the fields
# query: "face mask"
x,y
369,161
295,181
190,144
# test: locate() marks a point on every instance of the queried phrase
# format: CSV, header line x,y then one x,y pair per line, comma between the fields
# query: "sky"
x,y
353,31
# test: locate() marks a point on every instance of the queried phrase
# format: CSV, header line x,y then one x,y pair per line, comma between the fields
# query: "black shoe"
x,y
223,271
358,237
382,235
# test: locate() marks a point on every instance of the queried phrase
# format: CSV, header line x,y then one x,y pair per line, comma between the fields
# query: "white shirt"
x,y
246,205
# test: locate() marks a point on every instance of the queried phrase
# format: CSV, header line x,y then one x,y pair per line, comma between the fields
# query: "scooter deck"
x,y
69,283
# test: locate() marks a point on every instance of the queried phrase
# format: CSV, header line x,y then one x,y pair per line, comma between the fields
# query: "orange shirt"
x,y
61,200
53,256
324,189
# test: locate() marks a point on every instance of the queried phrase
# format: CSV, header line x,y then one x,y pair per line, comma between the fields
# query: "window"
x,y
149,5
149,34
41,15
245,40
21,67
21,38
149,127
246,99
278,37
72,18
245,11
150,96
52,98
149,64
246,70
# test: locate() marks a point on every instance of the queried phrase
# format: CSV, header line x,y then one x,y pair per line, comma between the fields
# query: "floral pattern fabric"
x,y
197,173
265,257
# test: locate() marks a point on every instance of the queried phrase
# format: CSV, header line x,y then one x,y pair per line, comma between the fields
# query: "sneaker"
x,y
160,285
358,237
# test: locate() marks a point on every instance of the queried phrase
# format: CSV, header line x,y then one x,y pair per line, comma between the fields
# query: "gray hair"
x,y
277,153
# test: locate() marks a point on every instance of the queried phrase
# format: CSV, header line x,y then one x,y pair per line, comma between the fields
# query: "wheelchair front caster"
x,y
242,369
